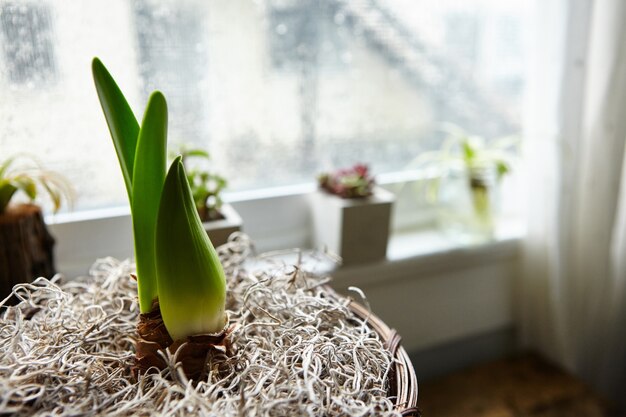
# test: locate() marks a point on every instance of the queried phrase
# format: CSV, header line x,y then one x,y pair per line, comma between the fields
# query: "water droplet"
x,y
282,29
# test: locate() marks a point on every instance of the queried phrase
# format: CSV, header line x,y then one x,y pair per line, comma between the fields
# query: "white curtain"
x,y
572,295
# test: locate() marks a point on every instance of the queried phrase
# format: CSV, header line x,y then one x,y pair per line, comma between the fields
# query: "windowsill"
x,y
427,253
232,197
279,218
423,243
420,253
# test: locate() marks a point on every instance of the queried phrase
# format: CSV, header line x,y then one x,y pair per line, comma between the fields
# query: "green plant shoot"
x,y
148,178
122,123
176,261
191,281
142,156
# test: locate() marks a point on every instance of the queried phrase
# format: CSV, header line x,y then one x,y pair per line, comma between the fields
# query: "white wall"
x,y
441,298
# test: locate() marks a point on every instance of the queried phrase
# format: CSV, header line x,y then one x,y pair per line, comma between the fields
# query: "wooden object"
x,y
25,247
525,385
357,229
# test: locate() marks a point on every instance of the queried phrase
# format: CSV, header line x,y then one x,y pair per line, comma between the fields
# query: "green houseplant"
x,y
181,283
26,246
466,175
351,216
295,347
219,219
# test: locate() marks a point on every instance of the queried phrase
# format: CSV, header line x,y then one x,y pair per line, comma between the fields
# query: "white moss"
x,y
67,349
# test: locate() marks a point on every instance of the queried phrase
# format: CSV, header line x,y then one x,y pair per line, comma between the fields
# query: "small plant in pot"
x,y
219,219
354,182
26,246
351,215
468,171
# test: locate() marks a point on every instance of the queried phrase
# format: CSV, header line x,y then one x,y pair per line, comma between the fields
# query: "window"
x,y
276,89
173,58
27,43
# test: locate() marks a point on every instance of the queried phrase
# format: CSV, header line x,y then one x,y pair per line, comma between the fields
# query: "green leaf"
x,y
147,183
55,195
120,119
191,281
6,192
502,168
199,153
5,166
26,184
468,151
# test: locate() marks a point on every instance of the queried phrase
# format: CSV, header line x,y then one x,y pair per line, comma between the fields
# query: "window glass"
x,y
277,90
28,49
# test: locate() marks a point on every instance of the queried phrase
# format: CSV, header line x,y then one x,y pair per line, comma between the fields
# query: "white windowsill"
x,y
416,254
234,197
424,243
279,218
422,253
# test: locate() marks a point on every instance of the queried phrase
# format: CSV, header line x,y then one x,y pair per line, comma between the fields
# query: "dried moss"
x,y
67,349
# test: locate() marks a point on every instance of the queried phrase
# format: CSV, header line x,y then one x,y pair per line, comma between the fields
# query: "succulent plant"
x,y
354,182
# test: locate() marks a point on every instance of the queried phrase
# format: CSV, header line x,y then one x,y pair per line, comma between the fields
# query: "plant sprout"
x,y
30,178
354,182
145,147
176,262
189,304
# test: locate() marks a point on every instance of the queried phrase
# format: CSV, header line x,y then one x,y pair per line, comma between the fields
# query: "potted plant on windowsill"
x,y
219,219
468,172
351,216
26,246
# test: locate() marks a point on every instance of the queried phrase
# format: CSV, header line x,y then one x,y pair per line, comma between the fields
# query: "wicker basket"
x,y
405,386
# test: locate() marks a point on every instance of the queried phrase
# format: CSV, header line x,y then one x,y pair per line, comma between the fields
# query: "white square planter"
x,y
219,230
356,229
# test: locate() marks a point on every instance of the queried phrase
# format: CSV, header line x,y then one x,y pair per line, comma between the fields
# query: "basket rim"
x,y
406,387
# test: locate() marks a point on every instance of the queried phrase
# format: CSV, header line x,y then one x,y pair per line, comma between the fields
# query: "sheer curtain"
x,y
572,294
